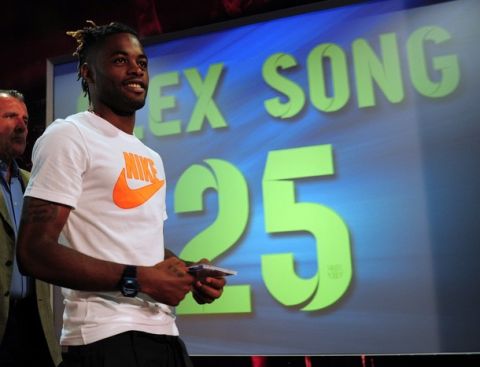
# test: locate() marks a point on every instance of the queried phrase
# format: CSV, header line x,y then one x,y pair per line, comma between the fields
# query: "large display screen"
x,y
331,157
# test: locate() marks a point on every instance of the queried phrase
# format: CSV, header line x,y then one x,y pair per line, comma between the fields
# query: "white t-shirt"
x,y
116,188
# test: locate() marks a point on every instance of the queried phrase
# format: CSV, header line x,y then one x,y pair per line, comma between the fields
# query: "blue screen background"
x,y
406,184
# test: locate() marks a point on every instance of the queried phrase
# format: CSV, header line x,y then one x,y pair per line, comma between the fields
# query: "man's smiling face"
x,y
119,74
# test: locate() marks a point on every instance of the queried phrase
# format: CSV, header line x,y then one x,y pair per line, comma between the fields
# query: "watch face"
x,y
130,287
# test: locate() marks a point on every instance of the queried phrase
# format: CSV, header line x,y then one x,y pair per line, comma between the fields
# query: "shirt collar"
x,y
4,169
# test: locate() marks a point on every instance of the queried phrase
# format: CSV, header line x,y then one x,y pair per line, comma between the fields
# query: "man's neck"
x,y
126,123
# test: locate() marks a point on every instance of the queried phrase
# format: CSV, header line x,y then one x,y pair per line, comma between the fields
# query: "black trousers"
x,y
129,349
23,343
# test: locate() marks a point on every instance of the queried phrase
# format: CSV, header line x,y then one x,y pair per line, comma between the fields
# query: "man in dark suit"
x,y
27,336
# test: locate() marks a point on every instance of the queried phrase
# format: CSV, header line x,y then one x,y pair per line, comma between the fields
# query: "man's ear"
x,y
87,73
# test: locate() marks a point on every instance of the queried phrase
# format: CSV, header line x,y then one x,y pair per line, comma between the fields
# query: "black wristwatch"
x,y
129,282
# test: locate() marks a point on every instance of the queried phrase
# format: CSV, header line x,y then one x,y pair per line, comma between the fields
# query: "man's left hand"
x,y
208,289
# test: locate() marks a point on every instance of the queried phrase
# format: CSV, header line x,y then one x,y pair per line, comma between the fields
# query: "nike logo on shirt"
x,y
141,169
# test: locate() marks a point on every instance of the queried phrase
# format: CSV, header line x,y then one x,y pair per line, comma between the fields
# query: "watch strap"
x,y
130,271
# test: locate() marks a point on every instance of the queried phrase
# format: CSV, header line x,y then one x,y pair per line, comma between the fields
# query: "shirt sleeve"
x,y
60,159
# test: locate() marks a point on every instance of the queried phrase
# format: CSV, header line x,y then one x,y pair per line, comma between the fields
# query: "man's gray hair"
x,y
13,93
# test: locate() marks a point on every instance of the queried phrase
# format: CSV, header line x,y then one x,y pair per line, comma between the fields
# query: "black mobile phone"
x,y
208,270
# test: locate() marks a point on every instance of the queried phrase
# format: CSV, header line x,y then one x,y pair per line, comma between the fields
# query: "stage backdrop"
x,y
331,156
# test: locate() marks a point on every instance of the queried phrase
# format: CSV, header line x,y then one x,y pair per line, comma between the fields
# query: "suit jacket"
x,y
7,250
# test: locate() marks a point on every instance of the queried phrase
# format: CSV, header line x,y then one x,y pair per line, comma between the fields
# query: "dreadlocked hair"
x,y
91,35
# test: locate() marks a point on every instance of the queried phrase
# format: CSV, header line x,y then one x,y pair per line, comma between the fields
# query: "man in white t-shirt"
x,y
93,216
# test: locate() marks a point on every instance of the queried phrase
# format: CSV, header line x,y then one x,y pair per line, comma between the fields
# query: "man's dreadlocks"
x,y
89,36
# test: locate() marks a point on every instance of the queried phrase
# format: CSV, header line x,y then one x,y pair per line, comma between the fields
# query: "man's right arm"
x,y
41,256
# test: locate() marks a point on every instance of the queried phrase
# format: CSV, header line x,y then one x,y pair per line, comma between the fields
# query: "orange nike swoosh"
x,y
127,198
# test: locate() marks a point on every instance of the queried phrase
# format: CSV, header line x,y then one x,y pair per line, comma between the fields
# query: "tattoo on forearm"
x,y
39,212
